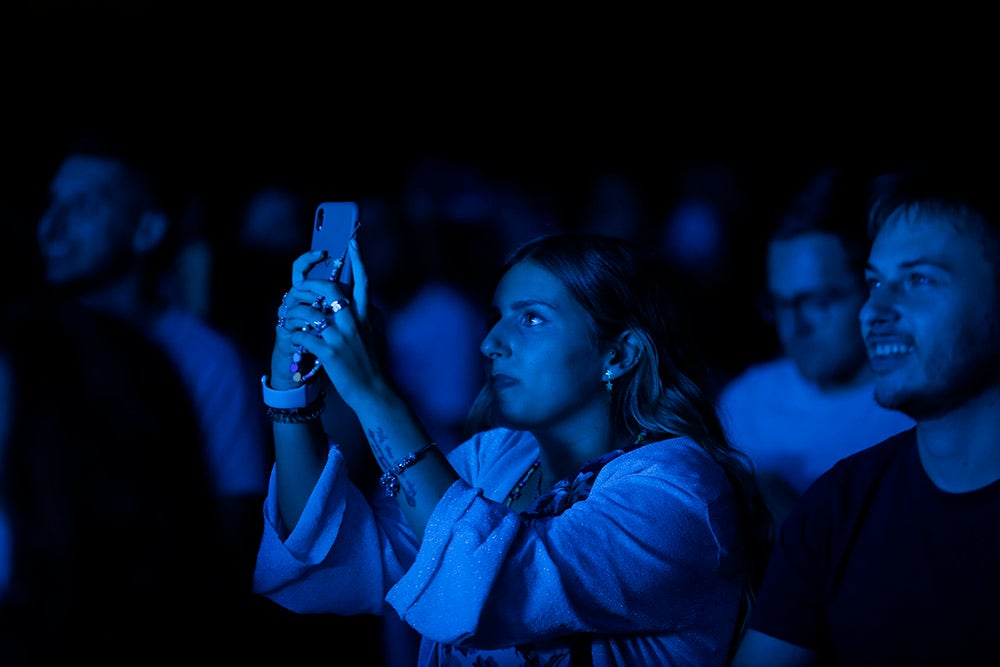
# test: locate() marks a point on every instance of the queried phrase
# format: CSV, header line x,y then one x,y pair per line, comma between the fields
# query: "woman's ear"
x,y
625,353
152,229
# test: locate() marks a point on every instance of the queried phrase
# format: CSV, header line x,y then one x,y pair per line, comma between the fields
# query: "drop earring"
x,y
607,380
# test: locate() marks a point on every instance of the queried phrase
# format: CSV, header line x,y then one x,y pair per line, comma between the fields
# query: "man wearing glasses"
x,y
798,414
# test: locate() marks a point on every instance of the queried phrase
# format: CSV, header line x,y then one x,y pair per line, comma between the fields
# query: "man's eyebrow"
x,y
913,263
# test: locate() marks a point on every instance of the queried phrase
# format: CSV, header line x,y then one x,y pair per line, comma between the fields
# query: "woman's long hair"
x,y
659,396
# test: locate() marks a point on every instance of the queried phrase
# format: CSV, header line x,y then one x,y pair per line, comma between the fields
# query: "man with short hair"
x,y
890,558
105,238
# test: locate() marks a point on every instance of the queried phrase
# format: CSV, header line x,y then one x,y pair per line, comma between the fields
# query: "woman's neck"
x,y
562,454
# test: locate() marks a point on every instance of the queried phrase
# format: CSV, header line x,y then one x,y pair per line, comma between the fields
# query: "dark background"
x,y
344,99
349,95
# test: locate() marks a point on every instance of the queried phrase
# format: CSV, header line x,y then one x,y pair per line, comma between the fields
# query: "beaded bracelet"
x,y
389,479
297,357
309,413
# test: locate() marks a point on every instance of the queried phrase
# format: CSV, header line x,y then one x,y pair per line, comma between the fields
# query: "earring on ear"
x,y
607,379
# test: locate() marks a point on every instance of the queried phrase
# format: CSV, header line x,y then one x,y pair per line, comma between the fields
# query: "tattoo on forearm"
x,y
382,451
386,459
409,492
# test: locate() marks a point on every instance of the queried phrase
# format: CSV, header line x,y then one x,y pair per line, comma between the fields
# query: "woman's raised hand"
x,y
324,324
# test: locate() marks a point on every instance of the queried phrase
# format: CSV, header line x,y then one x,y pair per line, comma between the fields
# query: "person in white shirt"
x,y
798,414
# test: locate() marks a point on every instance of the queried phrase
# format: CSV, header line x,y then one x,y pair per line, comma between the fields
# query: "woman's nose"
x,y
492,347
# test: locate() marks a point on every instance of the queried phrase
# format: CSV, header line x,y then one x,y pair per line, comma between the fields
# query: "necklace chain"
x,y
515,492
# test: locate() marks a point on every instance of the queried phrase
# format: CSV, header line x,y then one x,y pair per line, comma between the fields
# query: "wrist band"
x,y
389,481
302,415
299,397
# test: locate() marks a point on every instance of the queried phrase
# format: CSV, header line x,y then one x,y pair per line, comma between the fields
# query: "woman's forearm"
x,y
300,452
394,434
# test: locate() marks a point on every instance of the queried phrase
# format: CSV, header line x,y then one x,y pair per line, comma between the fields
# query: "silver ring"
x,y
336,305
319,325
281,322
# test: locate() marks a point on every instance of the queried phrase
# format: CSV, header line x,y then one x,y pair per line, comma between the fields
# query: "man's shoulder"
x,y
761,376
180,327
856,473
198,348
882,452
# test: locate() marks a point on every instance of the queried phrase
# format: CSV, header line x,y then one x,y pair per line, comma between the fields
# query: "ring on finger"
x,y
319,325
336,305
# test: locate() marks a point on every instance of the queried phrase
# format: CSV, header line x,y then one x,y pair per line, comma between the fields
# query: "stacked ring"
x,y
336,305
318,325
283,310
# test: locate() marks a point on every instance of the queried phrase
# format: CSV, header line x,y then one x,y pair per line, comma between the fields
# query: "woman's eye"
x,y
530,319
873,283
918,279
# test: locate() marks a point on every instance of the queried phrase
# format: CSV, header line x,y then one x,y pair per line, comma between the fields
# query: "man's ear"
x,y
625,353
151,231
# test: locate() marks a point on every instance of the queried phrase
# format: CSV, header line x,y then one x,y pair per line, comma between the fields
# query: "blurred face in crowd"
x,y
814,299
931,321
87,230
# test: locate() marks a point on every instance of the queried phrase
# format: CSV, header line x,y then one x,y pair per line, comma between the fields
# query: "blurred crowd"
x,y
202,291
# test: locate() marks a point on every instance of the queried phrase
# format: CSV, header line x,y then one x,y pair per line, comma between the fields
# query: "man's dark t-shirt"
x,y
878,566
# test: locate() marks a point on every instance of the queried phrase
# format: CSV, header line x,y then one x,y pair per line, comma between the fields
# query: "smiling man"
x,y
110,225
890,557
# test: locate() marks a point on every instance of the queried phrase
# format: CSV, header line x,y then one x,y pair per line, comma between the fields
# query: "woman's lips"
x,y
500,381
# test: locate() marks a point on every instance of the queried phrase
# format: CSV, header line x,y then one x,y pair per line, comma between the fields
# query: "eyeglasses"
x,y
812,305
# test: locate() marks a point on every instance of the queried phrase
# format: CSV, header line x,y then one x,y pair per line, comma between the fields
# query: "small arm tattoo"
x,y
386,458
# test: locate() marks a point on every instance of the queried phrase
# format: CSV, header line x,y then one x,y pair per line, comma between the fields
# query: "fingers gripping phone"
x,y
334,224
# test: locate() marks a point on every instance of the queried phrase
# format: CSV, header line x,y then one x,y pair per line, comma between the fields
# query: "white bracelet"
x,y
299,397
